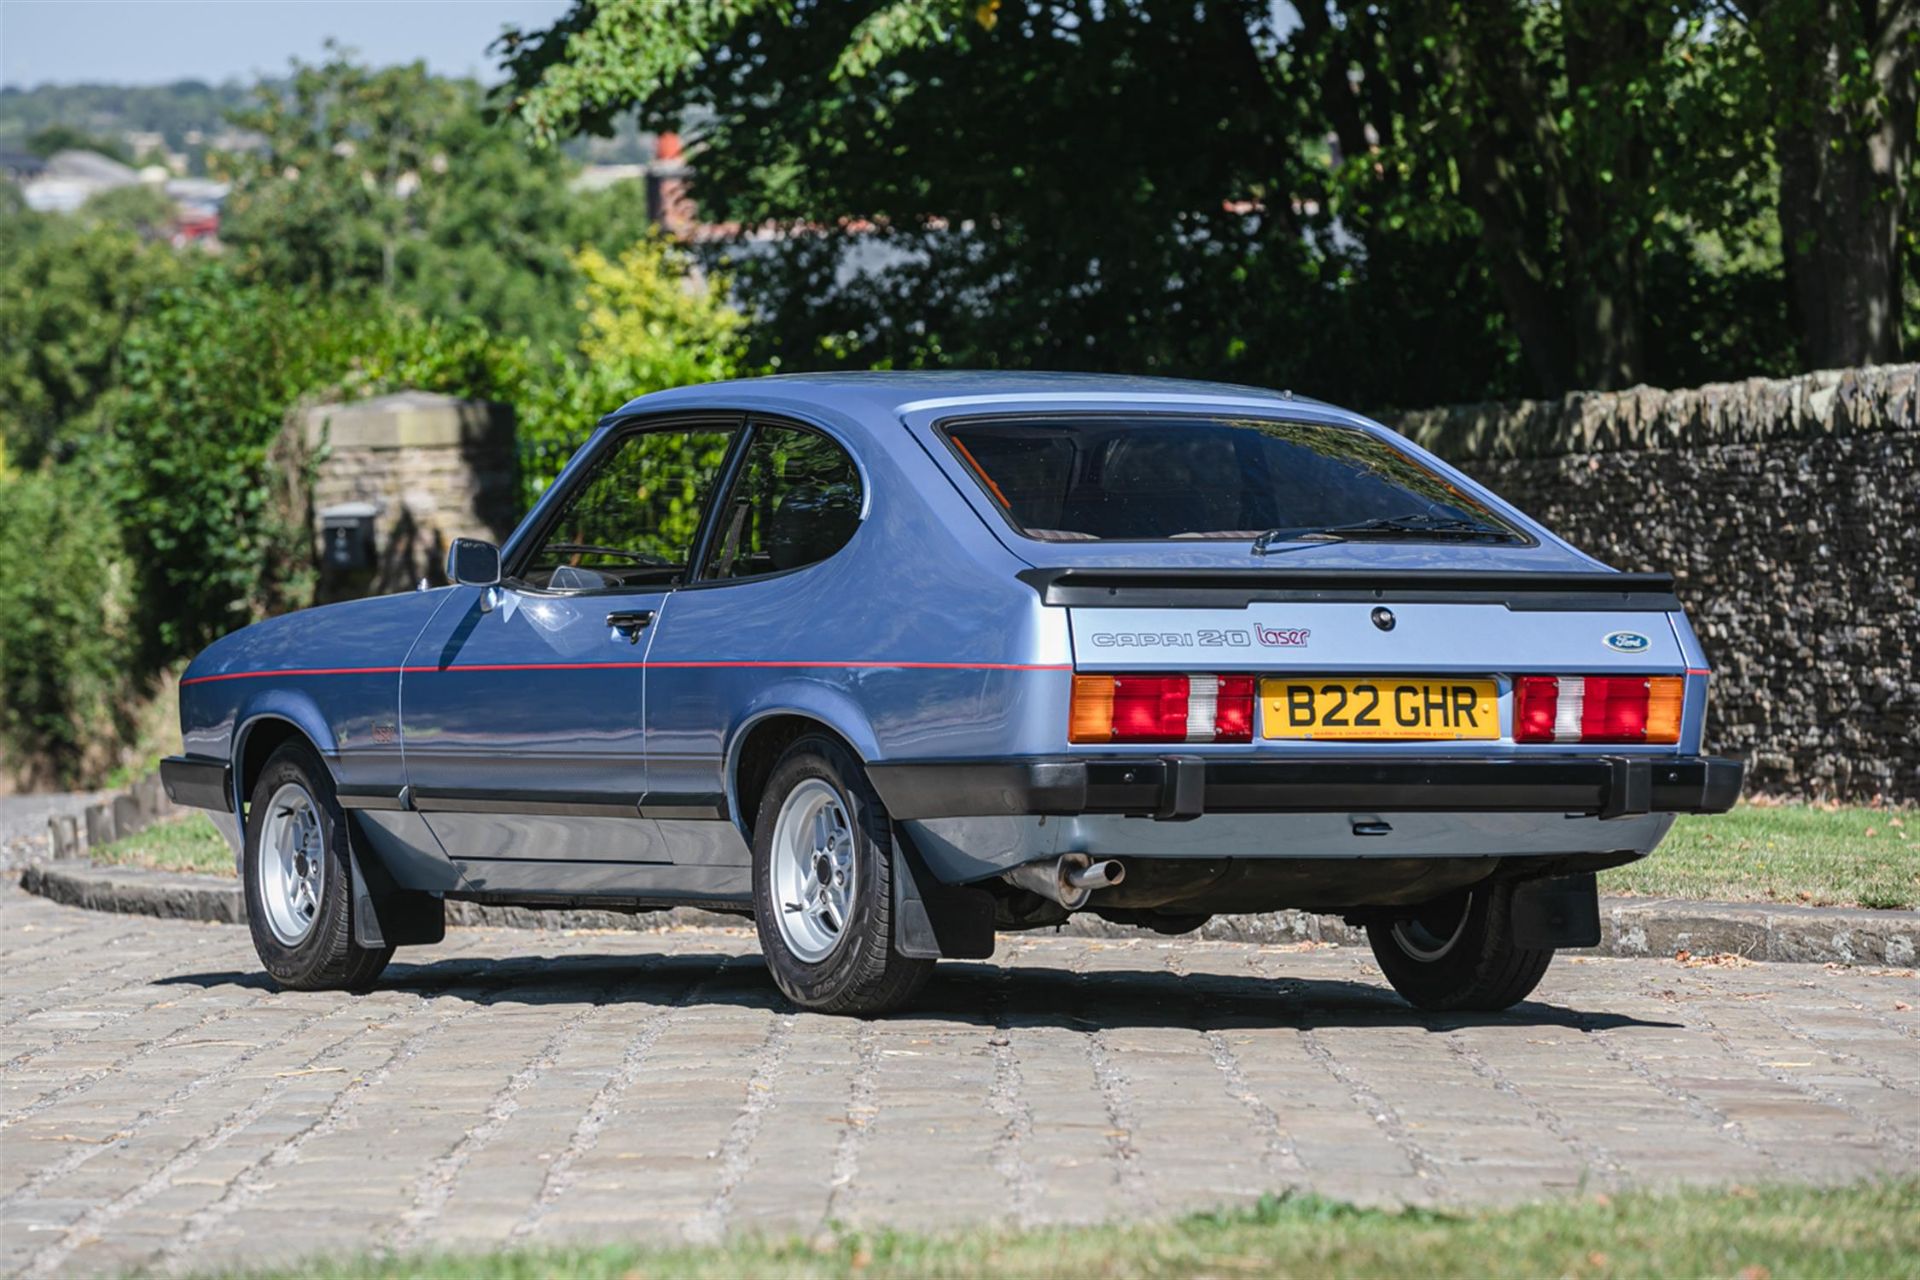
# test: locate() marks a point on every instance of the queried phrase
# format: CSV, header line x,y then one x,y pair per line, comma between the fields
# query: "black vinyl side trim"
x,y
695,806
563,804
199,782
482,860
1238,588
1182,787
699,806
380,798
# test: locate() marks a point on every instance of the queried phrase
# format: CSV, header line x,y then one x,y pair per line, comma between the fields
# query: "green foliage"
x,y
67,638
641,507
592,65
1518,197
388,237
651,325
205,386
64,137
645,325
145,210
177,111
1867,1230
1795,853
191,844
204,473
69,291
391,182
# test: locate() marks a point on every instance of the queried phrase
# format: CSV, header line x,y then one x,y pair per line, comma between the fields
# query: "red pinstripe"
x,y
627,666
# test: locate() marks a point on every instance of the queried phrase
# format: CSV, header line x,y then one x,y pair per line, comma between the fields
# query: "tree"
x,y
392,182
1073,189
145,210
64,137
646,324
70,288
1398,202
1841,83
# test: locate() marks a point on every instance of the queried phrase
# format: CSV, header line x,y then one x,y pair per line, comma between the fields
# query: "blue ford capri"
x,y
893,662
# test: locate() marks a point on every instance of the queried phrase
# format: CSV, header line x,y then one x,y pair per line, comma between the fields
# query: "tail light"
x,y
1597,708
1161,708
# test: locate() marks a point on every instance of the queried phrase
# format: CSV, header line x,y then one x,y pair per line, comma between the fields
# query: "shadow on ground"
x,y
967,994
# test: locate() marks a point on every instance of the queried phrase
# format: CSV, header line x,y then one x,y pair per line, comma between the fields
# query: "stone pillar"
x,y
430,467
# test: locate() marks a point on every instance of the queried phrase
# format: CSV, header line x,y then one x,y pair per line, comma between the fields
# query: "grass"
x,y
1871,1230
186,844
1791,853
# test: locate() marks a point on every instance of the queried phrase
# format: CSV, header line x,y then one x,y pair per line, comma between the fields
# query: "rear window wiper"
x,y
1420,524
1413,525
1298,540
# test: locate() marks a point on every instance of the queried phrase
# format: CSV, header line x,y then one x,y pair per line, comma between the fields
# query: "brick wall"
x,y
1790,512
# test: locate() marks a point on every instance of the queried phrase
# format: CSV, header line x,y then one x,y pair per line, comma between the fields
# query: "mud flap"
x,y
931,920
385,915
1557,911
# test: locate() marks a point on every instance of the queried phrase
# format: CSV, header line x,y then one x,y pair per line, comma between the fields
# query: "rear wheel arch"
x,y
758,748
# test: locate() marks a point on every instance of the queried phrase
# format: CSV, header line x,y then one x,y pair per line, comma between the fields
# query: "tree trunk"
x,y
1487,61
1845,160
1606,45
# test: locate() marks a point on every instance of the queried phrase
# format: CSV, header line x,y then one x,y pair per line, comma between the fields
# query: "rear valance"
x,y
1238,588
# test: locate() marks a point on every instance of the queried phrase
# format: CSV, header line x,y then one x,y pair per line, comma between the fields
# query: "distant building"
x,y
71,178
665,179
598,177
197,203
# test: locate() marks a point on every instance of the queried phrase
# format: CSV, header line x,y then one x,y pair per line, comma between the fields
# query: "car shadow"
x,y
966,993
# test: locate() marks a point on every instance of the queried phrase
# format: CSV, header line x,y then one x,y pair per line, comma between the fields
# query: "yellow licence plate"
x,y
1379,707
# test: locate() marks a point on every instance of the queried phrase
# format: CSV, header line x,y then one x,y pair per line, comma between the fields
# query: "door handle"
x,y
630,623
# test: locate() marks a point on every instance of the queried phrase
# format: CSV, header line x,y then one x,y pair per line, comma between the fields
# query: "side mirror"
x,y
473,563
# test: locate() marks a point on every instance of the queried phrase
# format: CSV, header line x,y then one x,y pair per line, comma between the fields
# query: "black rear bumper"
x,y
199,782
1175,787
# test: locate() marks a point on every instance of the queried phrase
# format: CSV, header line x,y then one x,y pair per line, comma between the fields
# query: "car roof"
x,y
892,394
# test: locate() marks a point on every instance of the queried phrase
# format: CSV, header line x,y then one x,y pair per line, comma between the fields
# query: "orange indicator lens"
x,y
1665,696
1092,716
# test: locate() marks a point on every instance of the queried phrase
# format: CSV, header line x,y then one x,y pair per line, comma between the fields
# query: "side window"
x,y
632,521
796,501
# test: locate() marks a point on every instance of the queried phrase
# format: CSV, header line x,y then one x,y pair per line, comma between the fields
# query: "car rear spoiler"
x,y
1238,588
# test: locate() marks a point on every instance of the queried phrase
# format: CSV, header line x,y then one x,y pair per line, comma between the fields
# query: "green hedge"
x,y
67,648
204,478
173,509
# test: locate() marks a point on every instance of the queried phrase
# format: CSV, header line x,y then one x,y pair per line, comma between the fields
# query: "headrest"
x,y
811,523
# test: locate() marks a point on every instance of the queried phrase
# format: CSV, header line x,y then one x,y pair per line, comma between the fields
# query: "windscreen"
x,y
1146,477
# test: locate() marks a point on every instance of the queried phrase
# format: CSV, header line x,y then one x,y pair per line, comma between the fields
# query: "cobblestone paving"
x,y
160,1107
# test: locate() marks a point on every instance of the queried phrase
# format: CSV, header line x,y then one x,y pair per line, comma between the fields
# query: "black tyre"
x,y
299,895
823,885
1457,952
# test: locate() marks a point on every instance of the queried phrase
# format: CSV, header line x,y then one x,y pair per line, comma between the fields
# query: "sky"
x,y
156,41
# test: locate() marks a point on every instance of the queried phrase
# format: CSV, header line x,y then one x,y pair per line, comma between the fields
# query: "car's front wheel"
x,y
1458,953
299,894
823,885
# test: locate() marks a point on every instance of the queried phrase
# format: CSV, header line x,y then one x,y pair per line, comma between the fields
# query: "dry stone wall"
x,y
432,467
1789,511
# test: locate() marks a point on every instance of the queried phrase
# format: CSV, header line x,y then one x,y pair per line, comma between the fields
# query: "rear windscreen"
x,y
1151,478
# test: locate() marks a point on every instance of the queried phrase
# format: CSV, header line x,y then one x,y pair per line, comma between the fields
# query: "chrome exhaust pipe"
x,y
1098,875
1068,880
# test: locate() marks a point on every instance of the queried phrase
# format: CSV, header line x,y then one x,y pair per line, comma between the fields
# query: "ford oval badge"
x,y
1628,642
